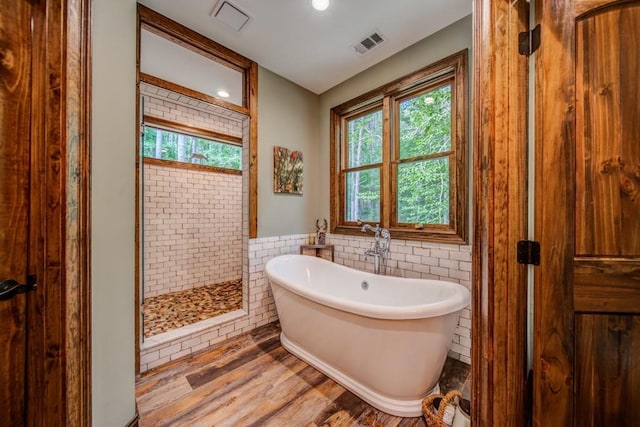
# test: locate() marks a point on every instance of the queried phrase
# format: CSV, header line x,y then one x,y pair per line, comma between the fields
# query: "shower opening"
x,y
191,207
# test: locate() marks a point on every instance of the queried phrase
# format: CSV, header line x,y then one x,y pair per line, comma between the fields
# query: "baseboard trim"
x,y
134,421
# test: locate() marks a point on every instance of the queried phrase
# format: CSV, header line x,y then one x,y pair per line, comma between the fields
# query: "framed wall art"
x,y
287,170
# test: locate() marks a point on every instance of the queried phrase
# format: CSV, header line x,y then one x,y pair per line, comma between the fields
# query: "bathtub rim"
x,y
459,301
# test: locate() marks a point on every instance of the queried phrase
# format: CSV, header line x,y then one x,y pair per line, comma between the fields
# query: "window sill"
x,y
434,236
189,166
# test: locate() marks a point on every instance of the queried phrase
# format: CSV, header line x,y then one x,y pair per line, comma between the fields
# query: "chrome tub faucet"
x,y
380,248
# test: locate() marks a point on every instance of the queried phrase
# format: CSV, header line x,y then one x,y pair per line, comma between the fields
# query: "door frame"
x,y
191,39
555,86
58,313
500,207
499,357
499,306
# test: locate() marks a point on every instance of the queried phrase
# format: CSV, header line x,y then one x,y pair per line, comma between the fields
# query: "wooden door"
x,y
587,298
44,128
15,113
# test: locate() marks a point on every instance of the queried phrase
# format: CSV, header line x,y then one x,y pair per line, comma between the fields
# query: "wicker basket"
x,y
434,406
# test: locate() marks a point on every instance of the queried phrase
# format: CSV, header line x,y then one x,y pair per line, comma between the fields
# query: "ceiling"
x,y
315,49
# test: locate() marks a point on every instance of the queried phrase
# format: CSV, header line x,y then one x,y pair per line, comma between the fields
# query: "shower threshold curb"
x,y
189,330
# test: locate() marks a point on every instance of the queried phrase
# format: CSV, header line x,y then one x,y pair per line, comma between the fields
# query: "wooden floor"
x,y
251,380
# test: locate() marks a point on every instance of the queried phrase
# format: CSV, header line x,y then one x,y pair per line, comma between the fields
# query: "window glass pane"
x,y
425,123
423,192
167,145
363,195
364,140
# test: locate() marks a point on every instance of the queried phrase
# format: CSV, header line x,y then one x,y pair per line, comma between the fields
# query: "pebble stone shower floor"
x,y
176,309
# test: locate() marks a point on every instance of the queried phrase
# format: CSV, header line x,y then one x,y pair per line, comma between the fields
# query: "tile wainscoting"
x,y
258,308
407,259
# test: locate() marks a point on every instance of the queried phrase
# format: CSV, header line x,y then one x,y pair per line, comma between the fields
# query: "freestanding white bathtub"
x,y
384,338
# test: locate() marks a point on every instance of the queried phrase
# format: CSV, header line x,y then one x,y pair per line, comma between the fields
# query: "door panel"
x,y
15,70
587,313
606,285
608,135
607,370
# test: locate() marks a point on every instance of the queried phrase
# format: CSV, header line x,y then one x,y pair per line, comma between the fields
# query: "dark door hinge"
x,y
529,41
528,252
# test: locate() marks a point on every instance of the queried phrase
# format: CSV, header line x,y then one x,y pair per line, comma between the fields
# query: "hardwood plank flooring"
x,y
251,380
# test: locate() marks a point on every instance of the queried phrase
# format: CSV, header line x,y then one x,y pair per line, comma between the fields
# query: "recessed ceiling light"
x,y
320,4
429,100
223,94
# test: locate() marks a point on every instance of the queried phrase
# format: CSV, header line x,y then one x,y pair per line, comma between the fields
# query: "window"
x,y
362,171
399,156
165,144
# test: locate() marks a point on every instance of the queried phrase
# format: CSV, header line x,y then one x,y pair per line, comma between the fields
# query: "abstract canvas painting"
x,y
287,170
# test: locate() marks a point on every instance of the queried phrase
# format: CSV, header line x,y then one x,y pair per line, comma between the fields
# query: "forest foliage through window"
x,y
168,145
364,145
425,146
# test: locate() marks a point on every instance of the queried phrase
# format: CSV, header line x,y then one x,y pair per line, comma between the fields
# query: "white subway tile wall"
x,y
192,229
167,105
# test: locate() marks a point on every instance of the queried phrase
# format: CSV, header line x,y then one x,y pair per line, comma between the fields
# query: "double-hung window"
x,y
399,156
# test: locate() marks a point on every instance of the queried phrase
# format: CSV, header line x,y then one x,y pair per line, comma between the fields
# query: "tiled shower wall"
x,y
192,228
167,105
192,219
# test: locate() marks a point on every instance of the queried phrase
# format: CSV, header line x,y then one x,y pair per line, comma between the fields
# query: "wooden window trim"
x,y
189,166
452,69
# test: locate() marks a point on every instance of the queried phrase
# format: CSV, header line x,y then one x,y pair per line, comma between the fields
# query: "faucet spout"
x,y
376,230
379,250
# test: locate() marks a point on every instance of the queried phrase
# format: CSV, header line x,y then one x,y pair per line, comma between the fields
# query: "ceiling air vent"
x,y
369,43
230,14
